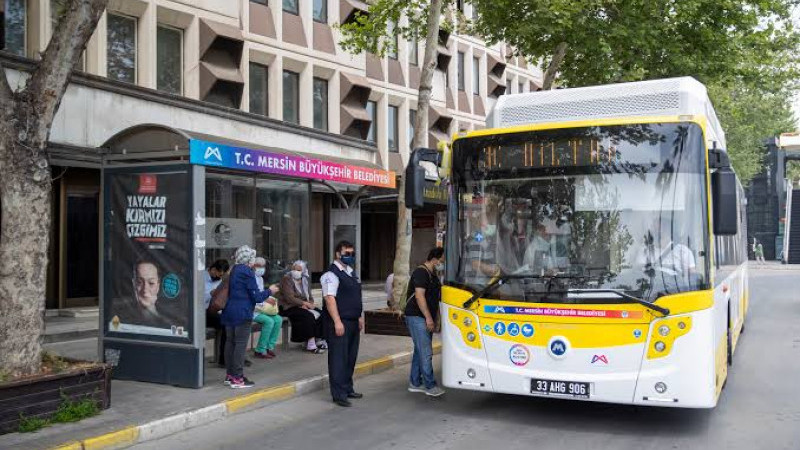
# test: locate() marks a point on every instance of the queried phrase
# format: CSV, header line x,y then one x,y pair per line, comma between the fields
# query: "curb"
x,y
177,423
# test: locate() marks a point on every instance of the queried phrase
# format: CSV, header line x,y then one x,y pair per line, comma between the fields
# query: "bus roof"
x,y
667,97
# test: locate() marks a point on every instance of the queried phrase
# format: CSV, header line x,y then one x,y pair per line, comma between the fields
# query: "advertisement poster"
x,y
148,251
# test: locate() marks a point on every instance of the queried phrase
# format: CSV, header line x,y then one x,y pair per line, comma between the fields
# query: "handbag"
x,y
267,308
219,296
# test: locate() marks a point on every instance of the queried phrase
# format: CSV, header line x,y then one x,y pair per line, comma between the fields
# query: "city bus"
x,y
596,247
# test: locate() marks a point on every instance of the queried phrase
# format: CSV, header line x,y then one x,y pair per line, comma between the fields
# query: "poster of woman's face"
x,y
148,276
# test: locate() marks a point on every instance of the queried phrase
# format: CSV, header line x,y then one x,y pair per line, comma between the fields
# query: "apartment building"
x,y
263,75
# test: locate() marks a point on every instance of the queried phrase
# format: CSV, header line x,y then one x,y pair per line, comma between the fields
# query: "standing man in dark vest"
x,y
342,321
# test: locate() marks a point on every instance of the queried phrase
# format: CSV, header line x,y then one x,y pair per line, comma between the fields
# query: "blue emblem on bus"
x,y
558,347
513,329
637,333
527,330
500,328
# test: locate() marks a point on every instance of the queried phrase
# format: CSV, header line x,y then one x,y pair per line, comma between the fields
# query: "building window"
x,y
460,5
392,51
476,76
321,11
12,27
372,113
169,60
291,96
461,81
321,104
412,122
121,55
413,52
520,88
260,2
258,89
474,12
394,131
290,6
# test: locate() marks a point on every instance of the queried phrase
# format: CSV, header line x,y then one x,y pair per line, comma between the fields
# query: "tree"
x,y
370,33
601,41
26,117
748,115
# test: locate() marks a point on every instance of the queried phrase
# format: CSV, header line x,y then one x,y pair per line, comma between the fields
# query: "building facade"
x,y
257,74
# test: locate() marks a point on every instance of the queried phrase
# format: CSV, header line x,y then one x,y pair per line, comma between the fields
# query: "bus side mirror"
x,y
724,202
415,176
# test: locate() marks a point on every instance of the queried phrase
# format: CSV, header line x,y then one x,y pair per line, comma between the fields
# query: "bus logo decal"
x,y
558,347
500,328
601,358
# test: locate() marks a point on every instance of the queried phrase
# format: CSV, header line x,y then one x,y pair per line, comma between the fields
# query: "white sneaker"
x,y
435,391
412,388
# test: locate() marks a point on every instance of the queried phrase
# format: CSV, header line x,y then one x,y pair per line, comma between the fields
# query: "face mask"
x,y
296,274
490,230
439,267
260,271
350,260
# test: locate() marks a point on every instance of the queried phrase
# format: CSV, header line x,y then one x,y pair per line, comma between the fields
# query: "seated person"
x,y
542,255
213,277
266,314
298,306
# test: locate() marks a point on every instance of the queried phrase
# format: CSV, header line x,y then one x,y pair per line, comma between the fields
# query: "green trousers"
x,y
270,329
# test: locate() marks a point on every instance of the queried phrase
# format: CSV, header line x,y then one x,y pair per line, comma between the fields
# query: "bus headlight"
x,y
467,322
471,336
471,373
661,387
663,330
660,346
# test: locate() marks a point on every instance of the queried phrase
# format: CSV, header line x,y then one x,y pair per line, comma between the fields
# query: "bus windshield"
x,y
560,213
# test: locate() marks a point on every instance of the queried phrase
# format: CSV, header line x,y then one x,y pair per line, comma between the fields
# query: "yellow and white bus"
x,y
596,247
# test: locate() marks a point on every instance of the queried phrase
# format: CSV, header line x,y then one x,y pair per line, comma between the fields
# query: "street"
x,y
759,408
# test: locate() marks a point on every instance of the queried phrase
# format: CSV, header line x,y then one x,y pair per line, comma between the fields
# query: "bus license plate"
x,y
565,388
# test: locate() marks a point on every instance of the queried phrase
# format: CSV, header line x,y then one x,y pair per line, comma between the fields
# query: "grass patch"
x,y
54,363
31,424
68,411
73,411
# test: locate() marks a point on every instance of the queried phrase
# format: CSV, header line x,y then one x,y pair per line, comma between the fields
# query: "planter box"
x,y
385,322
40,396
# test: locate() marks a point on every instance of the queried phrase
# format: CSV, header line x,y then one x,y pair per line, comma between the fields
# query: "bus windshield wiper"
x,y
494,284
624,295
502,278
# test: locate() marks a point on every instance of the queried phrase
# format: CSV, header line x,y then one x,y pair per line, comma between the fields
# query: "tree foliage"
x,y
749,116
628,40
371,32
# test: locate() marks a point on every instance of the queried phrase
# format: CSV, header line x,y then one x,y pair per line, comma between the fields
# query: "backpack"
x,y
219,296
404,301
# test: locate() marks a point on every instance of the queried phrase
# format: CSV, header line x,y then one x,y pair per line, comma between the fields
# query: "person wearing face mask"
x,y
213,277
243,295
481,246
342,322
266,313
422,311
299,307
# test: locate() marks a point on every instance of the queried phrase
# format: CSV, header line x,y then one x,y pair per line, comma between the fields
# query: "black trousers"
x,y
213,321
304,326
342,356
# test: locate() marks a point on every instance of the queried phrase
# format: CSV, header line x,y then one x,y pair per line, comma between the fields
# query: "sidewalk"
x,y
772,265
135,403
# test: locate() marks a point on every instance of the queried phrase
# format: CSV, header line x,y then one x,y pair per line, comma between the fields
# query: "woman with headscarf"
x,y
243,294
298,306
